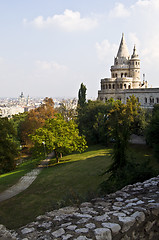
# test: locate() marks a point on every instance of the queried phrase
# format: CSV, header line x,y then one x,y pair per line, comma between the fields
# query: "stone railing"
x,y
131,213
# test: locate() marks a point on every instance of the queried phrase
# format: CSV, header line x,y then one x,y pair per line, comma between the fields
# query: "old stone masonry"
x,y
131,213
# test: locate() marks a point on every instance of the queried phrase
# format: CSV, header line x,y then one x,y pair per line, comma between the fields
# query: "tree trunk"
x,y
56,155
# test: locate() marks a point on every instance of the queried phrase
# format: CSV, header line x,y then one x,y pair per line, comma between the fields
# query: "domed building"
x,y
125,80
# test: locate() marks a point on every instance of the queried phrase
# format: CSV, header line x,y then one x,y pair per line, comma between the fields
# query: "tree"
x,y
17,120
8,146
82,95
36,119
93,121
67,109
60,136
120,121
152,131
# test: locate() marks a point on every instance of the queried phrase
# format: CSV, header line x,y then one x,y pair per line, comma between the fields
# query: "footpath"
x,y
25,181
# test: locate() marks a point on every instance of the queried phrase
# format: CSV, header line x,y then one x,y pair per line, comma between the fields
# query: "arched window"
x,y
109,86
125,86
121,85
125,74
121,75
116,75
129,87
157,100
145,100
113,86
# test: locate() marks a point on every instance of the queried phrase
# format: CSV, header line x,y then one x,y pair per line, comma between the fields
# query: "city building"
x,y
125,80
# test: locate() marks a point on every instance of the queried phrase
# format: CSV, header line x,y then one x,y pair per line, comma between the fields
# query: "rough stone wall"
x,y
131,213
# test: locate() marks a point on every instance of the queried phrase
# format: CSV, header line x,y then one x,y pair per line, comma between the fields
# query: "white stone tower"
x,y
125,74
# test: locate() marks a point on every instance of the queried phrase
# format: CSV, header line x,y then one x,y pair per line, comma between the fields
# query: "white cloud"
x,y
134,39
106,49
69,21
54,66
143,3
119,11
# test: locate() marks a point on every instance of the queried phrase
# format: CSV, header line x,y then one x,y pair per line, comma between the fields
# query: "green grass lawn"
x,y
76,178
9,179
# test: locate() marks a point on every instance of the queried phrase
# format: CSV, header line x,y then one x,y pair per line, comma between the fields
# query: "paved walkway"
x,y
25,181
22,184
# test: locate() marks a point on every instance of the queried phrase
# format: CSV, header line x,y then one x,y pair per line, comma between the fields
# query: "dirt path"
x,y
25,181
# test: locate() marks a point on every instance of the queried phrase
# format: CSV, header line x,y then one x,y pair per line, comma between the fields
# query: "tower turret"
x,y
120,68
135,67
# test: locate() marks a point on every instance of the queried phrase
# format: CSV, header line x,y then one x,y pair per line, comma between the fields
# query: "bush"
x,y
129,174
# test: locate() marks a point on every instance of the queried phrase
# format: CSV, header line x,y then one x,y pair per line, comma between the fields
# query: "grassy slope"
x,y
11,178
75,177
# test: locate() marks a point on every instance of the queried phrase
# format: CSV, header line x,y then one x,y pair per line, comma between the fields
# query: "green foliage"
x,y
92,121
152,132
36,119
58,135
17,121
120,124
130,173
8,146
82,95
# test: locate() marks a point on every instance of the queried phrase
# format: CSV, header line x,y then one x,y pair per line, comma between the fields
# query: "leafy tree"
x,y
36,119
120,121
58,135
17,120
8,146
152,131
93,121
82,95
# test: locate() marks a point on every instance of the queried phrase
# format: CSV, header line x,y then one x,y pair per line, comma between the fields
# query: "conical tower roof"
x,y
134,55
123,50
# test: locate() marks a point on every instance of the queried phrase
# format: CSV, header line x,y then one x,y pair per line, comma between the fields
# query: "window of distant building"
x,y
113,86
120,85
116,75
145,100
121,75
125,74
109,86
157,100
125,86
106,99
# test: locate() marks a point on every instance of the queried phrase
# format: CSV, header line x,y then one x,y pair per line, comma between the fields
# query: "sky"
x,y
49,47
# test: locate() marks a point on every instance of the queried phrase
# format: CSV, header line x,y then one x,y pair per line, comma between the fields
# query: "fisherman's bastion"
x,y
125,80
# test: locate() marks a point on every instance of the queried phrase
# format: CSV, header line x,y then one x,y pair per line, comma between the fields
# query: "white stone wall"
x,y
128,214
